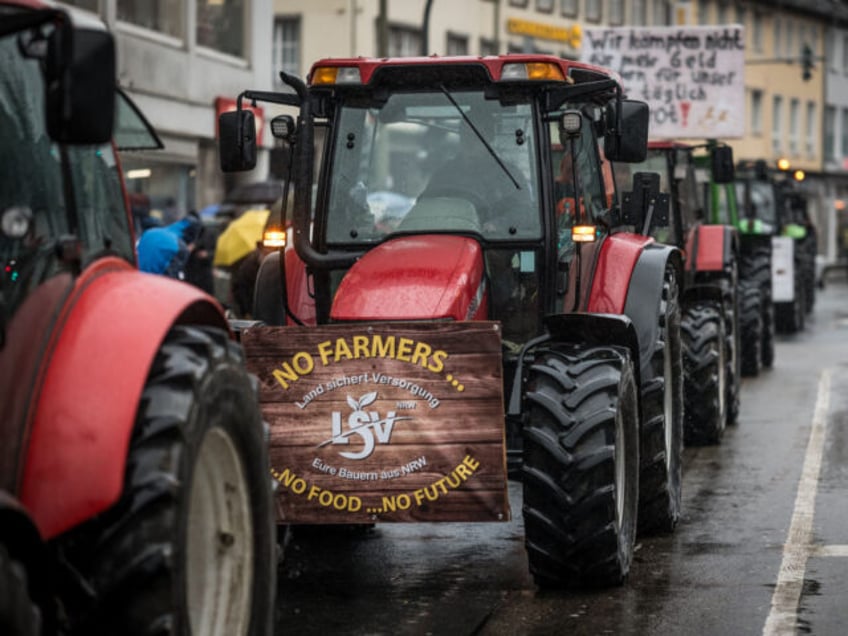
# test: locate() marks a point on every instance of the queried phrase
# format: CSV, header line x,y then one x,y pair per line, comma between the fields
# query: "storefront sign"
x,y
570,35
693,78
384,422
227,104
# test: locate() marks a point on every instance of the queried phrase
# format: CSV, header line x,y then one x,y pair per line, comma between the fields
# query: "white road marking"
x,y
829,551
783,616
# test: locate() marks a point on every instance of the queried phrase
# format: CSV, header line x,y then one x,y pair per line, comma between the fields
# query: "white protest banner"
x,y
693,78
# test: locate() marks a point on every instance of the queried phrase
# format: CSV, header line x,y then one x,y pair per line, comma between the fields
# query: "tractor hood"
x,y
426,277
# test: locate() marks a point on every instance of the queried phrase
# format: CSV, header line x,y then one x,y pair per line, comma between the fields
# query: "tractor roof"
x,y
424,71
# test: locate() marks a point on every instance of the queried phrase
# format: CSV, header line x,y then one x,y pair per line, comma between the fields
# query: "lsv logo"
x,y
365,424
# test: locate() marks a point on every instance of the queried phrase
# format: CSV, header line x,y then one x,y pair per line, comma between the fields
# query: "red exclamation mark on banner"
x,y
684,111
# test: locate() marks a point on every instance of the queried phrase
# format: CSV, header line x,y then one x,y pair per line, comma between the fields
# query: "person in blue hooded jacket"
x,y
165,250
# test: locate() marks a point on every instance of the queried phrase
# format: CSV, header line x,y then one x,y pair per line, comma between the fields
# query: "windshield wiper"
x,y
482,139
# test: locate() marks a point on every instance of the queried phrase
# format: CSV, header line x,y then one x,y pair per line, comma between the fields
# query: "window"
x,y
845,54
757,27
844,149
616,12
790,51
662,12
404,41
811,129
776,125
164,16
778,36
830,133
722,14
741,15
568,8
456,44
832,45
545,6
637,13
488,47
757,112
220,25
593,10
703,12
518,3
285,48
794,113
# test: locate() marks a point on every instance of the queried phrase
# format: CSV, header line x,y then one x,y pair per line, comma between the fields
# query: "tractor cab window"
x,y
761,200
688,192
33,209
579,186
433,162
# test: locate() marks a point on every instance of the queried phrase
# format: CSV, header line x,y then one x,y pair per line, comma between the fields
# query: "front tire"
x,y
190,546
581,466
704,393
662,420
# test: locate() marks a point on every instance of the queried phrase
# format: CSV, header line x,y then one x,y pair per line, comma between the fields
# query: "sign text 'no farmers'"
x,y
692,78
384,422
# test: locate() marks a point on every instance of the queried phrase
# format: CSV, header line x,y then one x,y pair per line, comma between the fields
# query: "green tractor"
x,y
752,208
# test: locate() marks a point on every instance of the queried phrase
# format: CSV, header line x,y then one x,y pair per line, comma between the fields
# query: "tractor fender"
x,y
617,258
711,248
644,294
94,371
268,306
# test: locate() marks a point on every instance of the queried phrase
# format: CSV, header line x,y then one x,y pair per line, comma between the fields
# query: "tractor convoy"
x,y
489,275
709,302
134,488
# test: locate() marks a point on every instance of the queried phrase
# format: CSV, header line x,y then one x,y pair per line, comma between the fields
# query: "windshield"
x,y
33,213
416,164
762,201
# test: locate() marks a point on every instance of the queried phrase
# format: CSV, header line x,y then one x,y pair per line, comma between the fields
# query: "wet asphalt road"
x,y
717,574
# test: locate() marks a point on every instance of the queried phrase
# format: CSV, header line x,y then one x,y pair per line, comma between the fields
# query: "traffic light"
x,y
807,63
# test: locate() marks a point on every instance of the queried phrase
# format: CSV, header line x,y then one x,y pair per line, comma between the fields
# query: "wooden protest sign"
x,y
384,422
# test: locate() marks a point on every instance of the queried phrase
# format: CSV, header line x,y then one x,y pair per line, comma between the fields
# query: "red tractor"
x,y
461,262
134,487
710,327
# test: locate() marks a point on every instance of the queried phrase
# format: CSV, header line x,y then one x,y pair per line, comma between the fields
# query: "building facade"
x,y
802,118
181,63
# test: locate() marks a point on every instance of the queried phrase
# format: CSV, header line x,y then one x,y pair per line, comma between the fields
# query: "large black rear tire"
x,y
705,369
662,420
732,353
581,466
751,324
190,546
19,614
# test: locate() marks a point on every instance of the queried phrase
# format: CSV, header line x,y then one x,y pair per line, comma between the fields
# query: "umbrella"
x,y
240,237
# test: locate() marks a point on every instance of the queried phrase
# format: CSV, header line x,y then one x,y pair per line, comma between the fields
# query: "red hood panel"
x,y
414,278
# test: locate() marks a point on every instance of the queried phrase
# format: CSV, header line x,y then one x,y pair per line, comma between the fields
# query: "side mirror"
x,y
645,207
237,140
80,86
626,138
721,164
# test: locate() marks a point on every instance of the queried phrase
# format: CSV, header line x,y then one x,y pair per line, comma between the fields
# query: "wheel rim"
x,y
620,471
220,541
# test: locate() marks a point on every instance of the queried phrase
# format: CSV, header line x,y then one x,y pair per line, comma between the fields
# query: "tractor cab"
x,y
450,174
